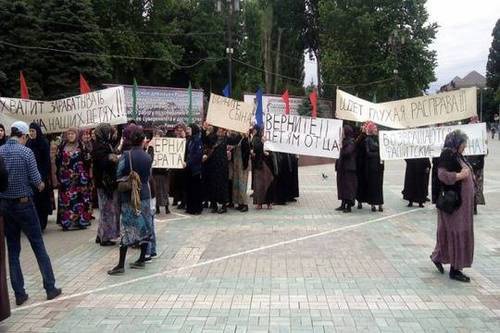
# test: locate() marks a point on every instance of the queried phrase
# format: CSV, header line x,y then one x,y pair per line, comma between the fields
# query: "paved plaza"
x,y
297,268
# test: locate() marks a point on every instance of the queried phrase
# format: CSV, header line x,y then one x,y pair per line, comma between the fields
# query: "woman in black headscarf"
x,y
3,136
194,171
347,180
41,149
105,162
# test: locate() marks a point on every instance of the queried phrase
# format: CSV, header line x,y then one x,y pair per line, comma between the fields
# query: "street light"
x,y
232,6
396,40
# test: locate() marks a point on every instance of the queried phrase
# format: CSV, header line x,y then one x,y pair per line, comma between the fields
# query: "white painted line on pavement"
x,y
208,262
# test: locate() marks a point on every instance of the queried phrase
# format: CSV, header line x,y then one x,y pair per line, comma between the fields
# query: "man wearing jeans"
x,y
20,214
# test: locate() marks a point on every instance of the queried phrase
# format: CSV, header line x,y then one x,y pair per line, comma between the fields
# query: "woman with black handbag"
x,y
455,203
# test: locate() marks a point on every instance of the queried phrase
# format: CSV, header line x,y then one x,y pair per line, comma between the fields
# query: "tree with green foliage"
x,y
493,66
18,26
70,26
366,41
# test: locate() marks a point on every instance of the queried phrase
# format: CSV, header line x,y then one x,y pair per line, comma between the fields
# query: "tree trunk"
x,y
277,65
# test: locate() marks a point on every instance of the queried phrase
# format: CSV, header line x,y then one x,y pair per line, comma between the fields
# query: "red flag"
x,y
24,88
84,86
286,99
313,97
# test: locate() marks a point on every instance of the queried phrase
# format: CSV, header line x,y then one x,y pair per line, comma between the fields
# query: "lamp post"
x,y
396,40
232,7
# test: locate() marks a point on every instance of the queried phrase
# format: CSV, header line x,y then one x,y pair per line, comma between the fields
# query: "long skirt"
x,y
194,195
136,228
4,293
109,218
479,196
263,185
74,208
240,180
162,185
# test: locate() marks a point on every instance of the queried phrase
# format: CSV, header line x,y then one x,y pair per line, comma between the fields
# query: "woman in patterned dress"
x,y
73,176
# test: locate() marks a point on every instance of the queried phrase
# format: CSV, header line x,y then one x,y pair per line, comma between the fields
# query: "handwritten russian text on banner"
x,y
168,152
229,113
303,135
412,112
82,111
429,141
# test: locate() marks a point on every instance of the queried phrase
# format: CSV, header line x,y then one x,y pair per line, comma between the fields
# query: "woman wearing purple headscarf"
x,y
455,233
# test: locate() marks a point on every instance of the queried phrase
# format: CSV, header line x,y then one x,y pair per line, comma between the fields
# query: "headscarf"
x,y
348,132
41,149
86,144
131,133
104,133
71,129
4,139
195,129
454,139
370,128
40,138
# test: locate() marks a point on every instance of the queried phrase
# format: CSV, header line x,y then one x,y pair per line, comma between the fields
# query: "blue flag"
x,y
227,91
259,115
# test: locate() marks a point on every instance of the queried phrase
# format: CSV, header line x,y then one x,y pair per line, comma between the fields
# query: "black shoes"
x,y
53,293
341,208
108,243
438,265
244,208
21,299
360,205
410,204
138,265
347,209
222,210
116,270
457,275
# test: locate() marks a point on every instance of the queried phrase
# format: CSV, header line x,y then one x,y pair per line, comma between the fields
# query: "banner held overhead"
x,y
303,135
429,141
229,113
81,111
412,112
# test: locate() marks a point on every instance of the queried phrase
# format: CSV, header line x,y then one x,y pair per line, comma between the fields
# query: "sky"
x,y
463,39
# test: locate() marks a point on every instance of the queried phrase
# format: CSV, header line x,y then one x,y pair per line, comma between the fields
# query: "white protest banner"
x,y
274,104
303,135
168,152
229,113
81,111
429,141
413,112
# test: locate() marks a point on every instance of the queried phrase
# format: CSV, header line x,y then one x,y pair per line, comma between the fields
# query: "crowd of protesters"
x,y
111,168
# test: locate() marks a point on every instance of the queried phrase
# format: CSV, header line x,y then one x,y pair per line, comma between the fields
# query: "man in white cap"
x,y
16,205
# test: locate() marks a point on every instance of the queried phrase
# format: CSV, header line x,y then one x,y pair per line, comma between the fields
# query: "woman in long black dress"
x,y
416,186
194,172
41,149
347,182
374,169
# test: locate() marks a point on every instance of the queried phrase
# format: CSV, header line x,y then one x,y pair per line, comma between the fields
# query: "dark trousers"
x,y
23,217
